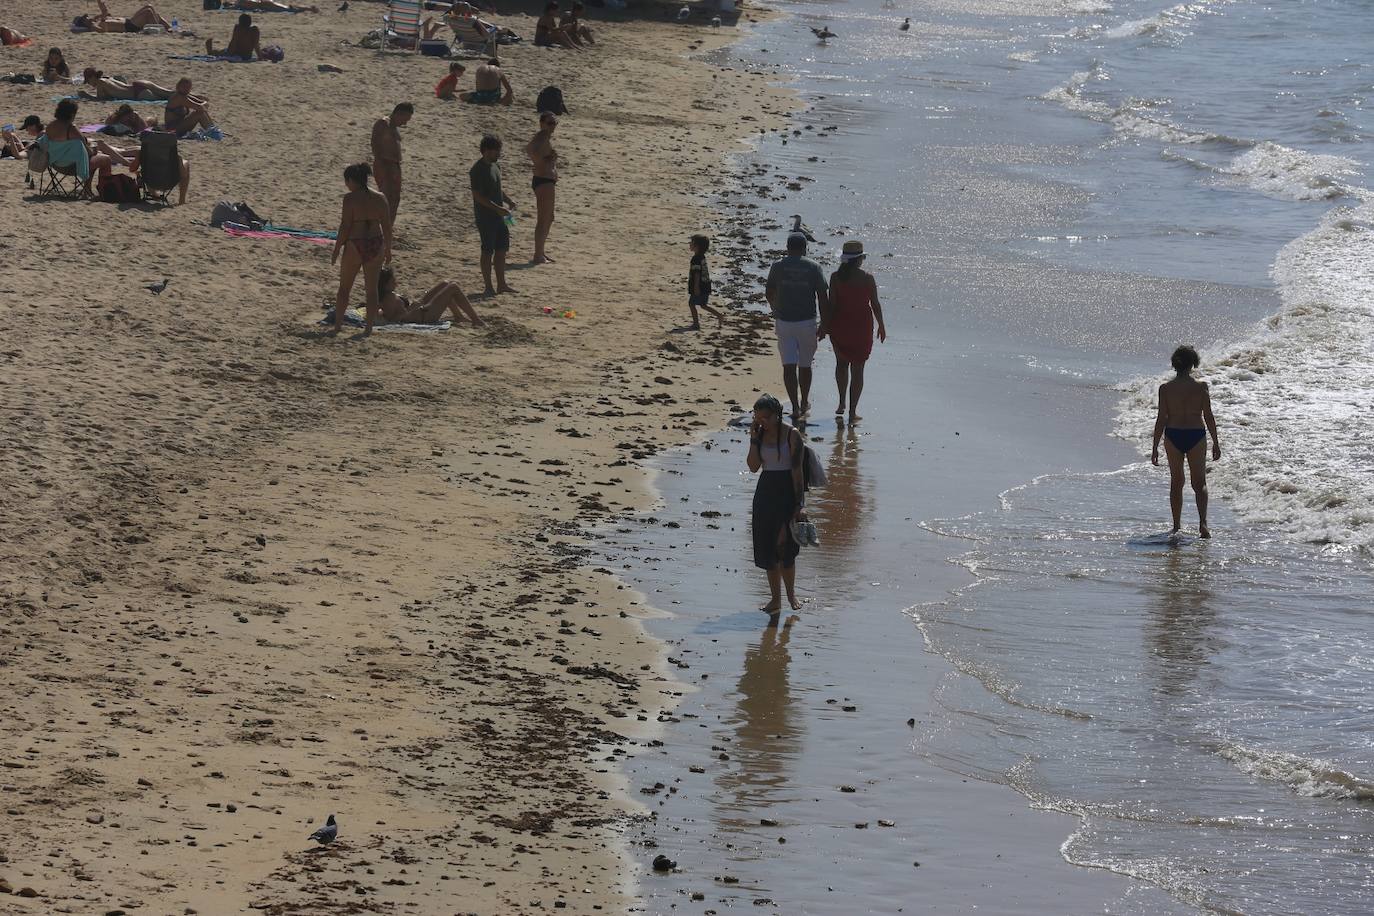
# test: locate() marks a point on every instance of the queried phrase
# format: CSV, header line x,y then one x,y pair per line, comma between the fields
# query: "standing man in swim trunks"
x,y
1185,405
386,154
491,209
545,160
797,294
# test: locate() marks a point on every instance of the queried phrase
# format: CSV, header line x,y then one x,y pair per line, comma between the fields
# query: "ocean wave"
x,y
1313,778
1170,21
1136,118
1283,172
1292,400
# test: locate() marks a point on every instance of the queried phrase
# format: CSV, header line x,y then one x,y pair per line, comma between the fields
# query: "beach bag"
x,y
551,99
210,4
228,212
118,189
813,469
274,53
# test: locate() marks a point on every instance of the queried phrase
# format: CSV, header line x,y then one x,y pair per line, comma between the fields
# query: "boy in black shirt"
x,y
699,282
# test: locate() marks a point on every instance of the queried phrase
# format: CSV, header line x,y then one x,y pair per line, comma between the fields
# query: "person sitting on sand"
x,y
17,147
143,17
185,112
547,31
129,158
574,25
447,87
1184,420
441,298
12,38
491,85
364,238
245,43
271,6
104,88
55,67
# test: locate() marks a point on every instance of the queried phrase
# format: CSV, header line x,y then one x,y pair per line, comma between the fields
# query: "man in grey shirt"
x,y
797,294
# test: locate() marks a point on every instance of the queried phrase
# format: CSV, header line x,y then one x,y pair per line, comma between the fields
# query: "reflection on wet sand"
x,y
1181,618
841,511
768,736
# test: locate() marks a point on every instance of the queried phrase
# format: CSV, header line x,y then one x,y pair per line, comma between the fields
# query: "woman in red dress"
x,y
849,321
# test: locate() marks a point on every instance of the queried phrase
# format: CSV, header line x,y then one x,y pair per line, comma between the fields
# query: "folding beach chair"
x,y
56,180
159,166
470,35
402,19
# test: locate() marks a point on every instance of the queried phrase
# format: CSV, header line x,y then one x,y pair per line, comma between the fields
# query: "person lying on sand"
x,y
55,67
17,146
12,37
444,297
111,88
244,43
548,33
491,85
272,6
125,116
185,112
143,17
129,159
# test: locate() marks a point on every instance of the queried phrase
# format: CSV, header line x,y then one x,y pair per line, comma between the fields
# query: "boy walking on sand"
x,y
699,282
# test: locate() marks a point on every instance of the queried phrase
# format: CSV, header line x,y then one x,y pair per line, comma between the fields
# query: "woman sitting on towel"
x,y
185,112
55,67
429,309
112,88
104,22
244,43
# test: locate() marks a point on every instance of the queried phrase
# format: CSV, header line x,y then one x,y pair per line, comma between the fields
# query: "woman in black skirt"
x,y
776,449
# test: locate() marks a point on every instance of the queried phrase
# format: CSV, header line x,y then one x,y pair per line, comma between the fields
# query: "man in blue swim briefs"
x,y
1185,405
797,292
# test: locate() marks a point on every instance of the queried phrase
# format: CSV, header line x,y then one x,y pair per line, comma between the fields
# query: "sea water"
x,y
1053,195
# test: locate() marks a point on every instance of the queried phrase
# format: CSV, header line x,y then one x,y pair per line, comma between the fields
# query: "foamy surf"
x,y
1311,777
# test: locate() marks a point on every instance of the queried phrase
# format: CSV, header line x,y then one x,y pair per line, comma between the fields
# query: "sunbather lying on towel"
x,y
243,43
271,6
125,116
107,88
16,146
185,112
143,17
129,159
429,309
9,37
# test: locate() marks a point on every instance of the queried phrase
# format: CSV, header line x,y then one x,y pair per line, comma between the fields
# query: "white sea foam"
x,y
1294,400
1171,21
1136,118
1314,778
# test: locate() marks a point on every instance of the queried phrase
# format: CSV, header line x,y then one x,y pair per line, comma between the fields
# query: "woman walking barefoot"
x,y
776,450
1185,405
545,160
365,240
853,307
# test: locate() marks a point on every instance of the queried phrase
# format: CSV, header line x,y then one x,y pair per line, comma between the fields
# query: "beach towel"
x,y
69,153
84,98
213,58
240,231
356,319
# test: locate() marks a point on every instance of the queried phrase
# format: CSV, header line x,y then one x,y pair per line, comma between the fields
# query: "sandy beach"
x,y
254,575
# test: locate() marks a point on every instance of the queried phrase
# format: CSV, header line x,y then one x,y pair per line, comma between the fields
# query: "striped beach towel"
x,y
402,19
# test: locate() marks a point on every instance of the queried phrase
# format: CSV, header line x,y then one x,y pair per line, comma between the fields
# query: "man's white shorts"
x,y
796,342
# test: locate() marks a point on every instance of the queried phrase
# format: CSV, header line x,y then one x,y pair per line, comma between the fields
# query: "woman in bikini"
x,y
548,32
365,240
444,297
108,88
12,37
776,450
55,67
186,112
1184,420
545,160
143,17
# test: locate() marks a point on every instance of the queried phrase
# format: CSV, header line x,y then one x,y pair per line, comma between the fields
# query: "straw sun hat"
x,y
852,251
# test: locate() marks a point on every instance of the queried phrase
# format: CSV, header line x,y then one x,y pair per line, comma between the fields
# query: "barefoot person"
x,y
492,210
386,154
796,293
143,17
447,87
852,308
491,86
776,450
428,309
130,159
1184,420
699,282
545,160
186,112
244,43
365,240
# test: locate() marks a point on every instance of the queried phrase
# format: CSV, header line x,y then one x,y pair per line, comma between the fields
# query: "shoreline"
x,y
322,592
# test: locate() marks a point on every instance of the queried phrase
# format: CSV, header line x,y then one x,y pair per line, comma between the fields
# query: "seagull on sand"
x,y
906,24
801,229
822,33
157,288
326,834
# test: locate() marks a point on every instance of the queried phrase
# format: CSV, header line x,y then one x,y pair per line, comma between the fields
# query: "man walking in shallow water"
x,y
797,294
1185,405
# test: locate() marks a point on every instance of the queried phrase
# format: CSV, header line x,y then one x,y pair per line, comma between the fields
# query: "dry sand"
x,y
251,575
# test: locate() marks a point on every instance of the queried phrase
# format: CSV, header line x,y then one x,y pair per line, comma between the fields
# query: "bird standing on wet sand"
x,y
906,24
157,288
343,7
822,33
326,834
801,229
